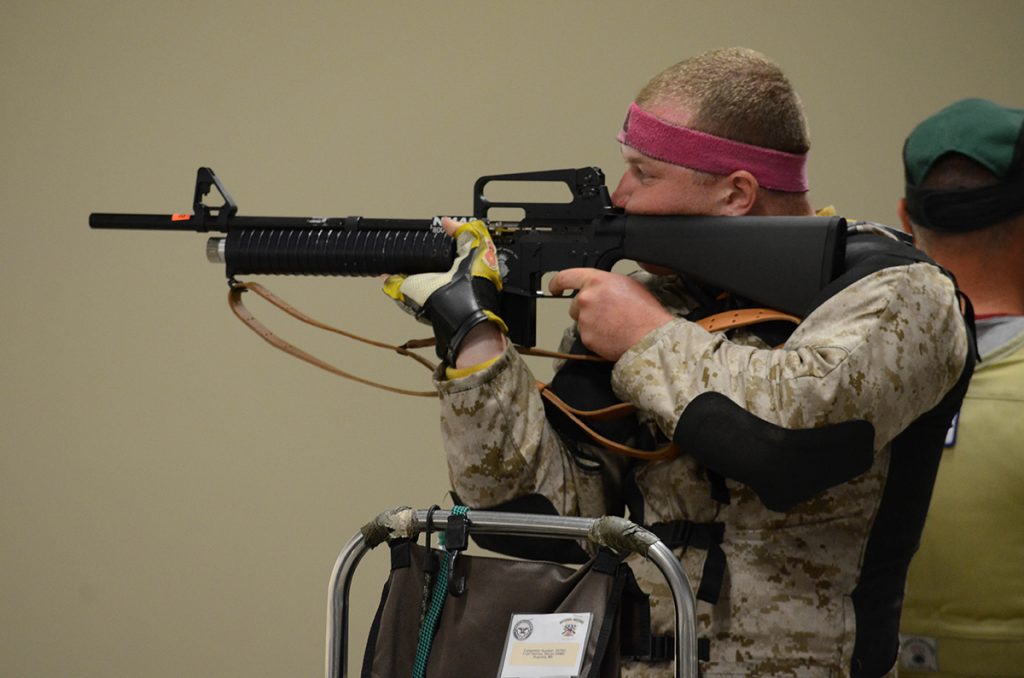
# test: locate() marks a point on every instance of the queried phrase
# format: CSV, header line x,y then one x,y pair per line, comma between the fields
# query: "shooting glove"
x,y
456,301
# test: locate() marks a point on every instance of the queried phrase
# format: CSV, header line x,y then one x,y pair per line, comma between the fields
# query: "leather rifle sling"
x,y
243,314
719,322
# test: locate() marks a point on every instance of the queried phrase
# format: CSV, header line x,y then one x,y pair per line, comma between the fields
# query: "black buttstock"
x,y
778,262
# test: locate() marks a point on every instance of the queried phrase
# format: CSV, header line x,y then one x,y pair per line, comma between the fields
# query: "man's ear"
x,y
739,193
901,209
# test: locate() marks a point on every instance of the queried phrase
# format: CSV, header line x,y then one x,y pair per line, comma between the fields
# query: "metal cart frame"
x,y
616,533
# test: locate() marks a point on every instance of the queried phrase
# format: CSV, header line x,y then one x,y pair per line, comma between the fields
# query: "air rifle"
x,y
776,262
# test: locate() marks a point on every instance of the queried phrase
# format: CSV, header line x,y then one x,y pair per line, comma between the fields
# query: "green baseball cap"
x,y
983,131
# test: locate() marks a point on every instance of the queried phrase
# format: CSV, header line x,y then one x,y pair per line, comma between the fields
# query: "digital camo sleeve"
x,y
500,446
885,350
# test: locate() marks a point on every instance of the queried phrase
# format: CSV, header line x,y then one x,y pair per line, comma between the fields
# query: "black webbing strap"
x,y
611,564
658,649
707,537
704,536
663,649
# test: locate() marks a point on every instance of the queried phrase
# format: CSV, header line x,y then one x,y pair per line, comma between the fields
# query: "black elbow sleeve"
x,y
783,466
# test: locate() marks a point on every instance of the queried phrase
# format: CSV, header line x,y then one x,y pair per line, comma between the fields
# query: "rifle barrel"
x,y
149,222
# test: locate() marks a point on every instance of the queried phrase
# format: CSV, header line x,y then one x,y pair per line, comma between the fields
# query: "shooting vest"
x,y
964,610
710,428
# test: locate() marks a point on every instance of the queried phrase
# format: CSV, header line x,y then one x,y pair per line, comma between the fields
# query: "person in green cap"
x,y
964,608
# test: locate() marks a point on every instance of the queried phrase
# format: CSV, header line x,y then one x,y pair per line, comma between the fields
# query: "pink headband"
x,y
775,170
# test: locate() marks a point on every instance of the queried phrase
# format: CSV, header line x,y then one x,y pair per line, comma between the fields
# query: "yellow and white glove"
x,y
456,301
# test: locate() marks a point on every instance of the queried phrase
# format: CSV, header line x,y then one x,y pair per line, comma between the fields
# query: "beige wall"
x,y
173,492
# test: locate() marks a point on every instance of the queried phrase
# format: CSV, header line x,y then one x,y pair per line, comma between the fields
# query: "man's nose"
x,y
620,196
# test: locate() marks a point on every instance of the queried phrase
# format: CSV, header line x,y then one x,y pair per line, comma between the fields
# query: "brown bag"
x,y
472,627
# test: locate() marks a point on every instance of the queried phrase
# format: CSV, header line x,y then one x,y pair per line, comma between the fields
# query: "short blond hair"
x,y
735,93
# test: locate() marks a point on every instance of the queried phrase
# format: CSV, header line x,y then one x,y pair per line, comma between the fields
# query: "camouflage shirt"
x,y
885,349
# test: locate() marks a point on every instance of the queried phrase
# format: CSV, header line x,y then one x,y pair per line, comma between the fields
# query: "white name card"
x,y
545,645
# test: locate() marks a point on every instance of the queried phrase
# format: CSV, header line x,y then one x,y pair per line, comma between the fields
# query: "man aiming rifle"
x,y
789,468
801,460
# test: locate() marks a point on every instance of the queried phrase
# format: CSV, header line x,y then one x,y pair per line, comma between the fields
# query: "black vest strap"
x,y
706,537
660,649
663,649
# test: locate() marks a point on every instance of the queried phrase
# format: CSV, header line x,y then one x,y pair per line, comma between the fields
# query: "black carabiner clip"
x,y
456,540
